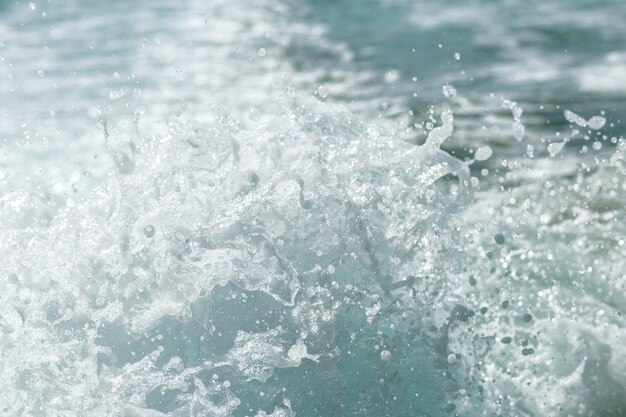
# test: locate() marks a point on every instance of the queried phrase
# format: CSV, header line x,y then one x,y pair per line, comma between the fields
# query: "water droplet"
x,y
117,94
572,117
322,91
555,147
262,52
392,76
596,122
483,153
449,91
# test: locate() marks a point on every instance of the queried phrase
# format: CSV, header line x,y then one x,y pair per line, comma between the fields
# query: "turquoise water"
x,y
312,208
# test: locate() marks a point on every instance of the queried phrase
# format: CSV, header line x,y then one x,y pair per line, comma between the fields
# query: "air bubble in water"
x,y
148,231
385,355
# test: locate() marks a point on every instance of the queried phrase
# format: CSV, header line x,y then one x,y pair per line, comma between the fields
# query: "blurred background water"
x,y
232,208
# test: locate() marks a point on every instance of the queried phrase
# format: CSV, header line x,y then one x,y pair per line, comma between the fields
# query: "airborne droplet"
x,y
449,91
483,153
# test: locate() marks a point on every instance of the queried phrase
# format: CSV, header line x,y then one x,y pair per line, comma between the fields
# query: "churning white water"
x,y
310,209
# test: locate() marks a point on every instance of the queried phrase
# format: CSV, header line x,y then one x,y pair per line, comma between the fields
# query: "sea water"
x,y
312,208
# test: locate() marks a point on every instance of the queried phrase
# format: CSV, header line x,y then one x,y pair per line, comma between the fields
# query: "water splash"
x,y
191,263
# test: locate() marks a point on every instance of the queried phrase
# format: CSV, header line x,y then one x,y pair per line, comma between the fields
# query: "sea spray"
x,y
249,256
